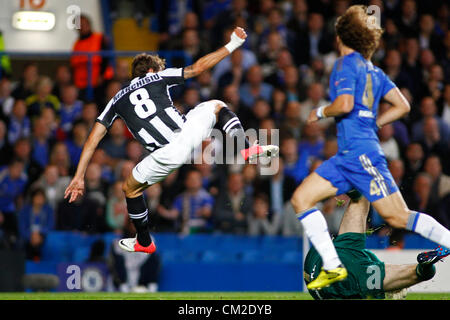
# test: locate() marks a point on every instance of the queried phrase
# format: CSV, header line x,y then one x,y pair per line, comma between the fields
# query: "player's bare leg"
x,y
355,217
396,213
400,276
312,190
137,210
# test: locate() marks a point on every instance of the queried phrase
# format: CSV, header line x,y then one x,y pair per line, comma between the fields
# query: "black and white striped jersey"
x,y
147,109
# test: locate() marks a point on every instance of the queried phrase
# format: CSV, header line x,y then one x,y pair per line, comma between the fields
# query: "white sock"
x,y
429,228
316,229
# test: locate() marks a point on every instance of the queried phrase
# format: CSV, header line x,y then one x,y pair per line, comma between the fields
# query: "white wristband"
x,y
320,113
234,43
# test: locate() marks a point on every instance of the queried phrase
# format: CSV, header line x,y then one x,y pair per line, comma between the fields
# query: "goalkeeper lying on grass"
x,y
368,277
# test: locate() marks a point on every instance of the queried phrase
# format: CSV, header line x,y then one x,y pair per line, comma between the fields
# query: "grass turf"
x,y
189,296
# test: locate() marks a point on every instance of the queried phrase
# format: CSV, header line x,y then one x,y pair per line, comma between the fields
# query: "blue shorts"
x,y
368,173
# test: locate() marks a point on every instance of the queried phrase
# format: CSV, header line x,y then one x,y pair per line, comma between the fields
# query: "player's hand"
x,y
312,116
236,40
75,189
240,33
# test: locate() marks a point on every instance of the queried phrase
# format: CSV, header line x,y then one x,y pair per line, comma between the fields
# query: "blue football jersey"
x,y
354,75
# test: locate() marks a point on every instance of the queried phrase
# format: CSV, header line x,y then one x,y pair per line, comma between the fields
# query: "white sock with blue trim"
x,y
316,228
429,228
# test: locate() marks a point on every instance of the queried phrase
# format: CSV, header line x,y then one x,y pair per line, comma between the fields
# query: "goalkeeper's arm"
x,y
210,60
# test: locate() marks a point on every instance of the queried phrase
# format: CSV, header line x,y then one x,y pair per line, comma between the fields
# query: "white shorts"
x,y
198,126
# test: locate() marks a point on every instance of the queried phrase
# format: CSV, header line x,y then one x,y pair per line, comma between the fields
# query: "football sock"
x,y
429,228
137,210
425,271
315,226
230,124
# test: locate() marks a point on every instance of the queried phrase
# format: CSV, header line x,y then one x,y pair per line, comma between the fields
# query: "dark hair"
x,y
358,30
144,61
36,191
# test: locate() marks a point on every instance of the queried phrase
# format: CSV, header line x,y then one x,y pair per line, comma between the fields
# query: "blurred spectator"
x,y
71,107
387,142
43,98
312,141
226,17
313,42
40,142
393,68
12,184
432,141
441,181
291,83
428,38
316,98
254,87
19,124
99,157
248,59
5,146
115,143
59,157
35,221
298,21
295,164
93,42
135,151
233,76
63,78
260,111
258,221
278,187
89,114
22,151
6,98
206,85
116,208
76,142
407,21
53,185
194,205
401,134
275,23
96,188
428,108
232,207
420,199
397,169
446,105
122,72
28,81
414,162
161,218
292,124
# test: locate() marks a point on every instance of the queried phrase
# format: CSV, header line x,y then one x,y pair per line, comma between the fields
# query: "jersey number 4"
x,y
367,99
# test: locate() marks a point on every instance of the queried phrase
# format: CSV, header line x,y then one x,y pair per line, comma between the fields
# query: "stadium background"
x,y
248,239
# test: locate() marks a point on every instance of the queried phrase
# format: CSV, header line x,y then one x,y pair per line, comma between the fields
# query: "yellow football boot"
x,y
327,277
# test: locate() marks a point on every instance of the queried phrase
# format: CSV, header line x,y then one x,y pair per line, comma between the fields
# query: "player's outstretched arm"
x,y
76,186
210,60
400,107
341,105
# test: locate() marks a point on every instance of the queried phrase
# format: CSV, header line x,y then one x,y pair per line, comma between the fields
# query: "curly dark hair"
x,y
359,31
144,61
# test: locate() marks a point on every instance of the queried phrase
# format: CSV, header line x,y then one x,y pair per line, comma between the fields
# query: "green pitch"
x,y
190,296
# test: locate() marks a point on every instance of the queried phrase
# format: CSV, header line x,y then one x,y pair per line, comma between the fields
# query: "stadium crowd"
x,y
272,82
